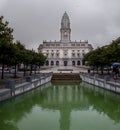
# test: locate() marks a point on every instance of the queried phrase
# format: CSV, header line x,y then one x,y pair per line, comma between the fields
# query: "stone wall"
x,y
13,90
102,83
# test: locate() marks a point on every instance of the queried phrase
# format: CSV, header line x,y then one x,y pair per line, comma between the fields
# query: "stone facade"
x,y
65,52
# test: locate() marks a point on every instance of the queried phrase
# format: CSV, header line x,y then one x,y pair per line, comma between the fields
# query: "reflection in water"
x,y
62,107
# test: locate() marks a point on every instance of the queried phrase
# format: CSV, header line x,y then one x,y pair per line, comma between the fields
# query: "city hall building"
x,y
65,52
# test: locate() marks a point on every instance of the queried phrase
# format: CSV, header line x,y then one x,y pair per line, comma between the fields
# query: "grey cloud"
x,y
36,20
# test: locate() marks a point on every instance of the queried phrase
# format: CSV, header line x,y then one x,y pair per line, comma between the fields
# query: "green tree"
x,y
104,56
36,59
6,48
18,56
113,51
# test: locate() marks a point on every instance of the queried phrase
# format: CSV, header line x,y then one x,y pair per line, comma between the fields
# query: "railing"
x,y
105,82
22,85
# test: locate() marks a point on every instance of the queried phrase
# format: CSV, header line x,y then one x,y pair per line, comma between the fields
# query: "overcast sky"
x,y
33,21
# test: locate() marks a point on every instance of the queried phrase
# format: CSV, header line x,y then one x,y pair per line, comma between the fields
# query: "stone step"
x,y
66,77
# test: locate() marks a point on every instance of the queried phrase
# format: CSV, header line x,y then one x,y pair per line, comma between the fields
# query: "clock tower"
x,y
65,29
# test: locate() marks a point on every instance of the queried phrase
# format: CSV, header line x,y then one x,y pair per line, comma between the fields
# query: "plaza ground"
x,y
63,69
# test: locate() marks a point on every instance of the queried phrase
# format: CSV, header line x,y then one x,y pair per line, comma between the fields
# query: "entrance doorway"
x,y
57,63
65,63
73,63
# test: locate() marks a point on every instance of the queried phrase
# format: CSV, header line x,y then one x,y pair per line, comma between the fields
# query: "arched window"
x,y
78,62
52,63
57,63
65,63
73,63
47,63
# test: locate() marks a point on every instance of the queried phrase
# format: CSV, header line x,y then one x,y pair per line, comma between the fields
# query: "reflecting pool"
x,y
62,106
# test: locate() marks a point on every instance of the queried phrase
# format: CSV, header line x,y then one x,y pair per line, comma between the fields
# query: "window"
x,y
82,44
52,44
47,44
78,62
52,63
65,63
73,54
52,54
78,54
47,54
47,63
57,54
73,63
78,44
65,52
57,63
83,54
57,44
72,44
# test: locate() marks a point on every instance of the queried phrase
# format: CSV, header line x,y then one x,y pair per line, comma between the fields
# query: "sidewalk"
x,y
20,77
10,76
109,77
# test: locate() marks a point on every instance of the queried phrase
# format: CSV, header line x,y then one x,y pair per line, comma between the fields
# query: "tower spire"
x,y
65,28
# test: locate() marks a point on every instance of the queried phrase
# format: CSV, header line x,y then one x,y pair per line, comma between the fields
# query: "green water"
x,y
62,106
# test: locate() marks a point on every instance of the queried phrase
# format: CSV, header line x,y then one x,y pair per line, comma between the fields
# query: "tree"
x,y
113,51
104,56
41,59
6,38
18,56
35,59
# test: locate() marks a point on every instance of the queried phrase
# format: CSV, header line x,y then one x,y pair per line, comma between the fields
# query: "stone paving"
x,y
62,69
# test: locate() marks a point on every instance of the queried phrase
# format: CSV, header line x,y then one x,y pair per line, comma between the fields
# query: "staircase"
x,y
66,77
